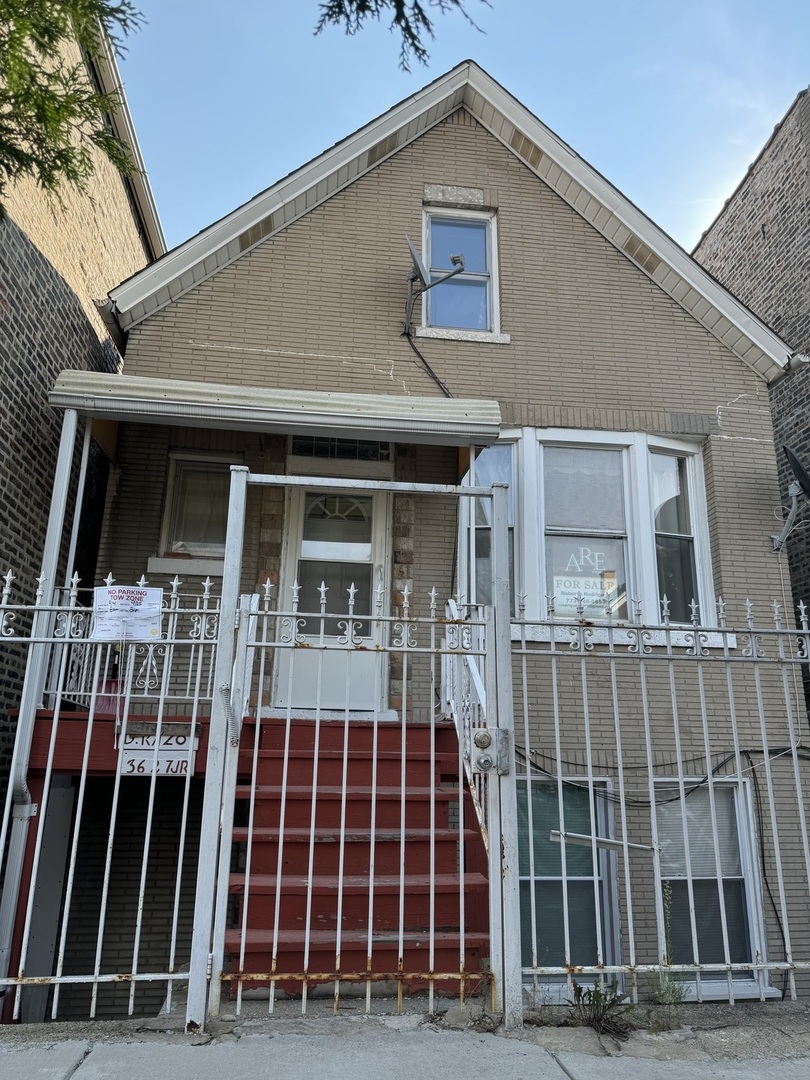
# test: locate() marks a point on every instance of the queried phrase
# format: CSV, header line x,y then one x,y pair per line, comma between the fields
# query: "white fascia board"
x,y
195,250
109,77
638,223
438,420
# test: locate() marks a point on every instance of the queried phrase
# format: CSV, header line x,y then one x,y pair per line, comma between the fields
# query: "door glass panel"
x,y
338,519
338,578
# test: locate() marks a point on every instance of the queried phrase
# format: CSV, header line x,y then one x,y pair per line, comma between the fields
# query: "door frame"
x,y
381,561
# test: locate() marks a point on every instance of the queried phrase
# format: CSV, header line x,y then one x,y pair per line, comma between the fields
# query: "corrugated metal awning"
x,y
445,421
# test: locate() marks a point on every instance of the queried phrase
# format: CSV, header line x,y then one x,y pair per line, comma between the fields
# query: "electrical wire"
x,y
427,366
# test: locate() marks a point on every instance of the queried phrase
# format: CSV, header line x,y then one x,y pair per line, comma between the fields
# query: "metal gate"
x,y
170,830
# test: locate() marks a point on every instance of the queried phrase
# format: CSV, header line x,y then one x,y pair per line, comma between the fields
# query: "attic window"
x,y
467,301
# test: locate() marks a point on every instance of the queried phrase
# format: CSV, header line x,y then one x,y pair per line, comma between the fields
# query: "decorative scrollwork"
x,y
404,635
350,634
147,677
291,630
752,646
204,626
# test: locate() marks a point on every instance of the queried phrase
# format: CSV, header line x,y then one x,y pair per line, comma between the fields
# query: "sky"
x,y
670,102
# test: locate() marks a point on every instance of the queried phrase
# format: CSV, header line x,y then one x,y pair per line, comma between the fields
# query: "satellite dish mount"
x,y
419,280
798,487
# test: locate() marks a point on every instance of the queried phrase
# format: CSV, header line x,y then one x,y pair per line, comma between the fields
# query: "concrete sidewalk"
x,y
742,1043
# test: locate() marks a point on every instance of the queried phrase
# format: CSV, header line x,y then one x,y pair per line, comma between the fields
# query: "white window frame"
x,y
163,563
642,565
714,987
493,334
554,989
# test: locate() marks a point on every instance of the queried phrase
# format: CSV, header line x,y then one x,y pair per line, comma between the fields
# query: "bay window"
x,y
604,526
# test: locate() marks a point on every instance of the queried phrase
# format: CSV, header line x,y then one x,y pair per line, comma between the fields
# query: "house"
x,y
758,246
437,651
55,263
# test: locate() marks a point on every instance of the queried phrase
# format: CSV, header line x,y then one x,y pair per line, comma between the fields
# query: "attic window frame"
x,y
492,333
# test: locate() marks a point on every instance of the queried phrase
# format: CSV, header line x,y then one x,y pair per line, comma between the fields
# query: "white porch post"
x,y
201,942
503,788
31,697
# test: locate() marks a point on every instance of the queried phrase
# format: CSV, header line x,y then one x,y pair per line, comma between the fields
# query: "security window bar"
x,y
586,532
714,871
464,302
674,540
563,893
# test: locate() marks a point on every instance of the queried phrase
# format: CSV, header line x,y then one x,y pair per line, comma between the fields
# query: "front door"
x,y
336,563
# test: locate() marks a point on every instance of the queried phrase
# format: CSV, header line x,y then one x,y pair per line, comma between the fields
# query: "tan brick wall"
x,y
594,343
92,240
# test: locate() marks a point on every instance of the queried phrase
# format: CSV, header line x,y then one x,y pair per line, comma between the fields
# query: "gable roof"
x,y
543,152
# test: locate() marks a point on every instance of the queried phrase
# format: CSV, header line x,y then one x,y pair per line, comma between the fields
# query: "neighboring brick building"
x,y
759,248
56,262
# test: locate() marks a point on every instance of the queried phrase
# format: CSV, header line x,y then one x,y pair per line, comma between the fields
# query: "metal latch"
x,y
490,751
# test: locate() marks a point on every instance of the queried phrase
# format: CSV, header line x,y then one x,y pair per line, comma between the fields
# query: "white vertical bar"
x,y
77,509
31,695
226,818
215,763
628,891
505,786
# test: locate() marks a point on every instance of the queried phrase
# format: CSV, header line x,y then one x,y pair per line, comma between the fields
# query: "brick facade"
x,y
759,248
55,262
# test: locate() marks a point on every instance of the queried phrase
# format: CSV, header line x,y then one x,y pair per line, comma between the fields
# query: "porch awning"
x,y
445,421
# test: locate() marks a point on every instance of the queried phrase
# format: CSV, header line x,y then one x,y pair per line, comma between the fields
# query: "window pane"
x,y
451,236
462,303
338,519
200,513
583,488
483,567
550,927
338,576
676,575
708,925
545,819
586,570
698,823
493,465
669,494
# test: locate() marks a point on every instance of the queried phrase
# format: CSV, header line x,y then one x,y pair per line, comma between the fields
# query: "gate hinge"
x,y
237,618
209,967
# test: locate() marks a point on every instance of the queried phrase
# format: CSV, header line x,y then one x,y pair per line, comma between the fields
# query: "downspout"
x,y
20,808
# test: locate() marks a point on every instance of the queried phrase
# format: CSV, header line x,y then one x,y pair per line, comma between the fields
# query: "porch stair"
x,y
336,917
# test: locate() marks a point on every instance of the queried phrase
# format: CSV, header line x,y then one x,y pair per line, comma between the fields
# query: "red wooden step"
x,y
329,808
358,766
326,848
332,733
352,950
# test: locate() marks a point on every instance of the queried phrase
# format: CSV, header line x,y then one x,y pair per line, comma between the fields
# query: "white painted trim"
x,y
450,334
184,566
387,417
501,114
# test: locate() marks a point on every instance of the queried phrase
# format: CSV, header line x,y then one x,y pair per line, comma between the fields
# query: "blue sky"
x,y
671,102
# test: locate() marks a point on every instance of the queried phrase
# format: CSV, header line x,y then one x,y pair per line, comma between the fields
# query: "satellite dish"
x,y
419,268
799,472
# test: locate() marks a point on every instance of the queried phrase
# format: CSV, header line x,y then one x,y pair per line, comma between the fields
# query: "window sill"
x,y
184,566
676,637
717,990
449,334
